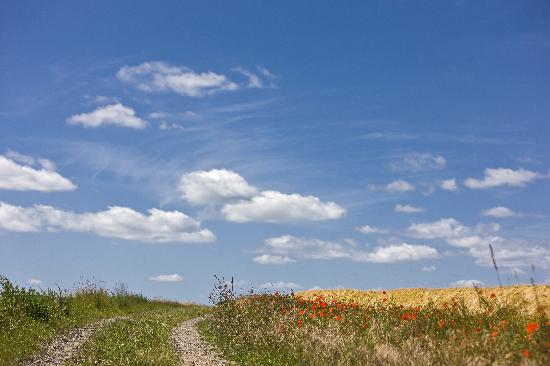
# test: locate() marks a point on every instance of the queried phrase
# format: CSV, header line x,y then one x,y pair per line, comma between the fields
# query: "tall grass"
x,y
29,318
276,329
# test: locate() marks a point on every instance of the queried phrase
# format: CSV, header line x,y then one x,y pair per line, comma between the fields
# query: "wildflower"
x,y
532,328
548,323
338,317
441,323
312,315
493,295
301,312
299,323
495,333
526,353
548,344
321,314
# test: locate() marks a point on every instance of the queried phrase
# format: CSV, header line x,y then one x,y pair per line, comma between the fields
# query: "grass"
x,y
275,329
142,339
30,318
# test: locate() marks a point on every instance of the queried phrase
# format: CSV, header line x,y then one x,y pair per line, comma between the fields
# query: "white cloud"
x,y
273,206
428,269
116,222
160,76
254,80
167,278
114,114
366,229
18,177
398,186
416,162
443,228
317,249
273,259
466,283
398,253
34,281
499,212
388,136
214,186
281,285
508,252
407,209
448,184
502,176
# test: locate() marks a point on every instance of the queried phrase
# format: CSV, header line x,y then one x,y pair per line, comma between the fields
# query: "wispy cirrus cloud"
x,y
24,177
417,162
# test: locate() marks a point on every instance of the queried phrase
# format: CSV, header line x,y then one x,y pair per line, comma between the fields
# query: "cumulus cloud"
x,y
115,222
272,259
366,229
398,253
14,176
273,206
448,184
167,278
508,252
499,212
466,283
305,248
244,203
407,209
214,186
501,177
281,285
399,186
114,114
428,269
161,76
34,281
417,162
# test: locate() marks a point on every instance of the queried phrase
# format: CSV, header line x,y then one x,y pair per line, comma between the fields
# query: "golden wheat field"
x,y
527,298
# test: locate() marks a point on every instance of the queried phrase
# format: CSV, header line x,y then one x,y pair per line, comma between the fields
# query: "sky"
x,y
290,145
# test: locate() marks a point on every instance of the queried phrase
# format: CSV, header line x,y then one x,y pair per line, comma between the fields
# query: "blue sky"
x,y
367,145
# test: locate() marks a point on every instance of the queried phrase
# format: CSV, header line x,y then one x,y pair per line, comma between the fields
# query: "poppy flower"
x,y
526,353
299,323
532,328
338,317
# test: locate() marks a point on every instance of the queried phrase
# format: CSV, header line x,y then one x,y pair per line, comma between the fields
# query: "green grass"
x,y
143,339
287,330
30,318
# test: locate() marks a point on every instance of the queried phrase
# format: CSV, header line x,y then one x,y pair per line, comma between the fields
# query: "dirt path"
x,y
63,348
192,349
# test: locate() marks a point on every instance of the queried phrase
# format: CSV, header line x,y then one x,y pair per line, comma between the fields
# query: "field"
x,y
489,326
526,298
401,327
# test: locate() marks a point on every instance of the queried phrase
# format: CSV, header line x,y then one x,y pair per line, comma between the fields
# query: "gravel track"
x,y
192,348
63,348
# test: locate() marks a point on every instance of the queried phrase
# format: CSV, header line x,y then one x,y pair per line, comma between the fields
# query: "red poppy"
x,y
493,295
338,317
526,353
531,328
299,323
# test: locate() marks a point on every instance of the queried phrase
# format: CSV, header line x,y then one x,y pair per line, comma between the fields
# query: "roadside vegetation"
x,y
287,329
31,318
143,339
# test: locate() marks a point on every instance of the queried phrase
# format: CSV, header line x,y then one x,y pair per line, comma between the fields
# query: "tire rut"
x,y
66,346
192,348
